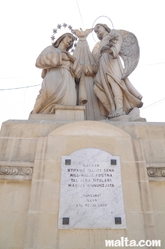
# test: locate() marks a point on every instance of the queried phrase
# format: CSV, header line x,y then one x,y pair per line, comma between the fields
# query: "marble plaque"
x,y
91,193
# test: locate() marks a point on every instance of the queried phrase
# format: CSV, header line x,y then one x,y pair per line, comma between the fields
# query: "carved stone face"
x,y
100,31
68,41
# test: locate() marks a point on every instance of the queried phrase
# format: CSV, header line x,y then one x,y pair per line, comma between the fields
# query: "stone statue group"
x,y
95,79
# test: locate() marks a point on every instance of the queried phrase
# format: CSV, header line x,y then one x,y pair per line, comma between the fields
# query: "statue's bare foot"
x,y
116,113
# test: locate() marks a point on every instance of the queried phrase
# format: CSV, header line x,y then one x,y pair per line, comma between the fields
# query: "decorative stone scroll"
x,y
91,191
10,170
156,171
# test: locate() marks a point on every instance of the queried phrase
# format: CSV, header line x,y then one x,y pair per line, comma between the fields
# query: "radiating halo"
x,y
104,20
60,30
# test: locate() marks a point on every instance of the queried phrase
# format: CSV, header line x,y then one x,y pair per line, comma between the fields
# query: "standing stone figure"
x,y
112,87
59,72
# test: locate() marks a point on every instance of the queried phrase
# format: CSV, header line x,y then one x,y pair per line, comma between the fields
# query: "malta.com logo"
x,y
125,242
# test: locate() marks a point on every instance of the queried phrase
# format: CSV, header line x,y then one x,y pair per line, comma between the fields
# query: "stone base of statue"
x,y
133,116
62,113
69,184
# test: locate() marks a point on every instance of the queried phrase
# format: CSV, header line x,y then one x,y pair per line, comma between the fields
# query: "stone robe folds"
x,y
110,65
93,109
58,86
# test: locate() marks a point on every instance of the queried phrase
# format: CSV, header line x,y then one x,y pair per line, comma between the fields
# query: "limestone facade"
x,y
30,172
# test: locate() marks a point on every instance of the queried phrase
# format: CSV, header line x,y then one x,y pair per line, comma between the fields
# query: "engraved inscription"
x,y
91,191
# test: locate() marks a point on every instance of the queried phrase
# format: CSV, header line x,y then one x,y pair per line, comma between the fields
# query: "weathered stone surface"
x,y
30,209
62,113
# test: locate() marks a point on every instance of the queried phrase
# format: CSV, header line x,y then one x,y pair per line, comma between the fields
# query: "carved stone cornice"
x,y
156,171
13,170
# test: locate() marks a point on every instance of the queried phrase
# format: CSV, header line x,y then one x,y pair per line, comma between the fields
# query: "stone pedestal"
x,y
62,113
31,156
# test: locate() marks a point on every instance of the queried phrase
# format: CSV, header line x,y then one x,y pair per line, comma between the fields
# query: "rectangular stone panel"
x,y
91,191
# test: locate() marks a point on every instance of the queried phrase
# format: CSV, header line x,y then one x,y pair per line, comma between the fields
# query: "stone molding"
x,y
156,171
16,170
10,170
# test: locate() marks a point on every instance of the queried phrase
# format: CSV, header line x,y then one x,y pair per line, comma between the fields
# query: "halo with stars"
x,y
60,27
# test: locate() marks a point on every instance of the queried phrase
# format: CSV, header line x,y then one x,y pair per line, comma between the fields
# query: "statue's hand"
x,y
65,56
70,57
106,49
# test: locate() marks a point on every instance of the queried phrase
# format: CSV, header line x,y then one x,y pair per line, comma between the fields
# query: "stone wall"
x,y
30,174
